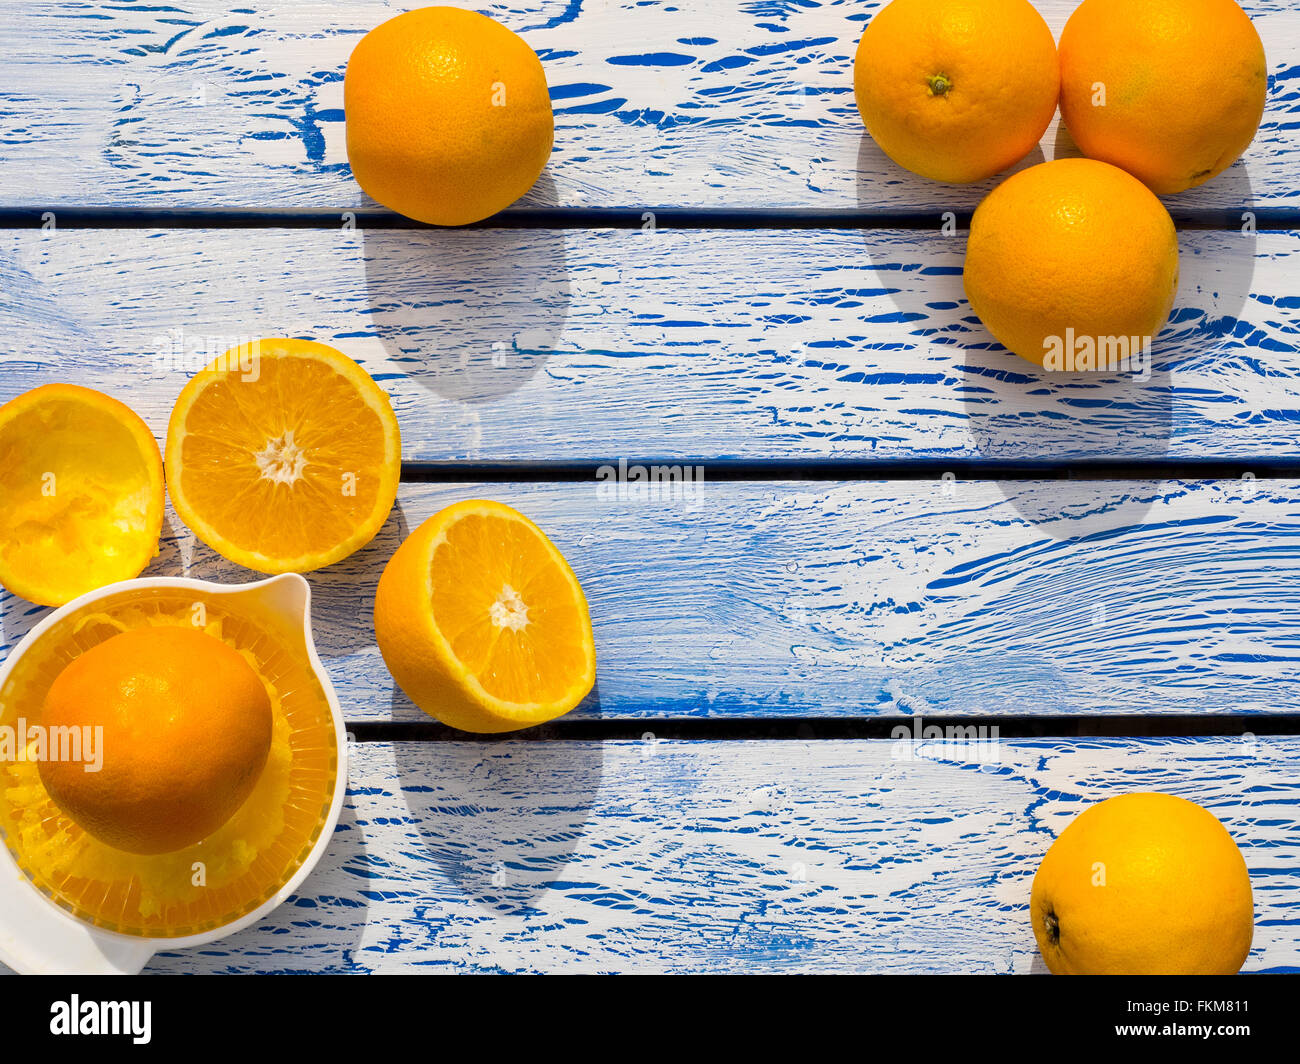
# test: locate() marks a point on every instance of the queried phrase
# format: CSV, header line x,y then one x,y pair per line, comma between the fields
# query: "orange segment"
x,y
483,623
283,456
81,493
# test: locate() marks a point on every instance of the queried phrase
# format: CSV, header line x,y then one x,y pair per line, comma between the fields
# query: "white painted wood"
x,y
725,104
530,345
854,600
836,600
819,856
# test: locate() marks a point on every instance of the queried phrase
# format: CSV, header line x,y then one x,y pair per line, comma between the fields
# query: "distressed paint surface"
x,y
749,599
532,345
821,856
725,104
859,600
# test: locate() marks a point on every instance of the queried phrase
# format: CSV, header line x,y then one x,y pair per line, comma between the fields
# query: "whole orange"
x,y
1171,90
185,731
448,115
956,90
1072,255
1143,884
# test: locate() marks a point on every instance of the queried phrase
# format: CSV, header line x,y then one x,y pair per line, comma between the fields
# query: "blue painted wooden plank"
x,y
549,345
199,104
822,856
793,600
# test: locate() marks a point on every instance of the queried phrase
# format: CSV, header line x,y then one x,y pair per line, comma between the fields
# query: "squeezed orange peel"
x,y
227,874
81,488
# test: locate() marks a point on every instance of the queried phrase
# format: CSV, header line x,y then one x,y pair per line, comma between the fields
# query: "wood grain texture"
x,y
530,345
860,600
823,856
741,599
726,104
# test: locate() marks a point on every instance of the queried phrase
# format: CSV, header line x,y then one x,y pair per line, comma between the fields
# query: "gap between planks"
x,y
742,729
847,470
629,217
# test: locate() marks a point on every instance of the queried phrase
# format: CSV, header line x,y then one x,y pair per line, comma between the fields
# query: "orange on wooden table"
x,y
448,115
956,90
81,493
1143,884
1071,257
283,456
483,623
1171,90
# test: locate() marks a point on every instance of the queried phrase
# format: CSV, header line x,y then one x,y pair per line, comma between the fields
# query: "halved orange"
x,y
483,623
81,493
283,456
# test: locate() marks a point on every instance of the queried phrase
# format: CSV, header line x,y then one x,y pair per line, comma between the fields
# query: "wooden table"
x,y
898,519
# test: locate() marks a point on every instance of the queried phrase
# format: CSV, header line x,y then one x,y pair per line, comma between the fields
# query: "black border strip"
x,y
738,728
631,217
764,470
